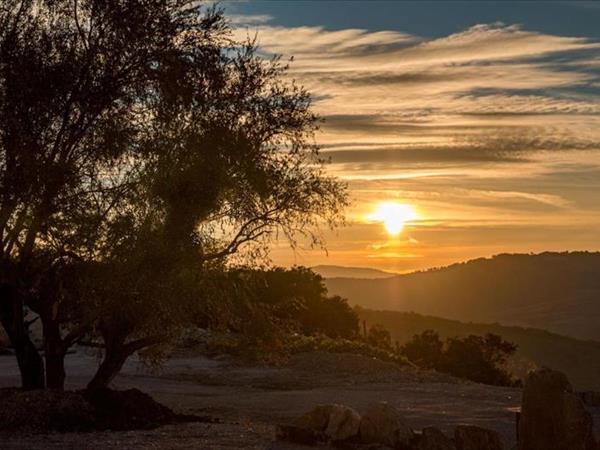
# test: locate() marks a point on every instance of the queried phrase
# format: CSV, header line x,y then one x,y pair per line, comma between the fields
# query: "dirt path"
x,y
251,400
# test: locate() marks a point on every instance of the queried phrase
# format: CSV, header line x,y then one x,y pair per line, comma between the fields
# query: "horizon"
x,y
476,136
433,268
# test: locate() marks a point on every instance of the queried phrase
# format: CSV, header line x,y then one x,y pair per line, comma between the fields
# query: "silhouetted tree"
x,y
477,358
378,336
424,349
140,146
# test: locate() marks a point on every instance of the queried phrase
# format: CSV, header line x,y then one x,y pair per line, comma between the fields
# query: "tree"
x,y
299,297
378,336
139,143
424,349
476,358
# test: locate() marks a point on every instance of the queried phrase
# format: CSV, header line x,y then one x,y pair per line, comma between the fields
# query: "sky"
x,y
476,126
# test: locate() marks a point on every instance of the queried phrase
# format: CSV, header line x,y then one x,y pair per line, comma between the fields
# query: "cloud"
x,y
249,20
493,133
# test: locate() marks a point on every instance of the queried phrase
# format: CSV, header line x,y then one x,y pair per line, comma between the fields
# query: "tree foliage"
x,y
278,301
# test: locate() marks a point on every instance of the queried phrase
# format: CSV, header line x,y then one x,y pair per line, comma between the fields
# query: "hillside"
x,y
579,359
350,272
559,292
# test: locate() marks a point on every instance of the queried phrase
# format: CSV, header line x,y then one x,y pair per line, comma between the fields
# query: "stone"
x,y
433,439
344,424
383,424
316,419
468,437
336,423
552,415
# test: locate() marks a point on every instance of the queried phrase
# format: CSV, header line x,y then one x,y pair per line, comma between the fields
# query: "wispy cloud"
x,y
495,125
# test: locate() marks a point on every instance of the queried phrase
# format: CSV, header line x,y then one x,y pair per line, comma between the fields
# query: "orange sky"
x,y
491,134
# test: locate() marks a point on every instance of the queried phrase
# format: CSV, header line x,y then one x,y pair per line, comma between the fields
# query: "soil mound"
x,y
67,411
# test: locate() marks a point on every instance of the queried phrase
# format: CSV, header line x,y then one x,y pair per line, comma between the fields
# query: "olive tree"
x,y
141,147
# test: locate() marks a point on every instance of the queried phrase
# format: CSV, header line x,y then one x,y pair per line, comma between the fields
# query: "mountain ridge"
x,y
559,292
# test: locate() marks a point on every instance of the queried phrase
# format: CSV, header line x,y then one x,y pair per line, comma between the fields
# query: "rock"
x,y
467,437
433,439
316,419
344,424
383,424
552,416
336,423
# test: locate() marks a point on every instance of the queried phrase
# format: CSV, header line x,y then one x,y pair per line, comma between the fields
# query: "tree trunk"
x,y
30,362
54,352
109,368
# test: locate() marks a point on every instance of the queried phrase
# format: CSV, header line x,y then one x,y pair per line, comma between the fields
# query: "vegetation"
x,y
578,359
299,344
141,148
477,358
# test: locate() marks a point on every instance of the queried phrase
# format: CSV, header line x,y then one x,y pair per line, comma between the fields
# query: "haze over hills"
x,y
578,359
559,292
327,271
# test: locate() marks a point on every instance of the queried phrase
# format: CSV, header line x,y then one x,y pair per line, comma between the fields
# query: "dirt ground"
x,y
251,400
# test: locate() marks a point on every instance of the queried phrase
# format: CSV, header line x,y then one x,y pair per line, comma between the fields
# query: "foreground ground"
x,y
251,400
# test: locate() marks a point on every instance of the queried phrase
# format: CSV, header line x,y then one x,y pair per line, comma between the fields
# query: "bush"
x,y
379,337
425,349
476,358
299,344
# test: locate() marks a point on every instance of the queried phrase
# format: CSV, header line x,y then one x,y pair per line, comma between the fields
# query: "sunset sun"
x,y
393,216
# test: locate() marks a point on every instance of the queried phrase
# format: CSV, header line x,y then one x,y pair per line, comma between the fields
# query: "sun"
x,y
393,216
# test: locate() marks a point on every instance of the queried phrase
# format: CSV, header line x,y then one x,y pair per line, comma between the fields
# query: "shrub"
x,y
299,344
476,358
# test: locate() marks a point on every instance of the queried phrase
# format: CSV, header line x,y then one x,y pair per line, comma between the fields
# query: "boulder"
x,y
468,437
316,419
383,424
344,424
336,423
433,439
552,416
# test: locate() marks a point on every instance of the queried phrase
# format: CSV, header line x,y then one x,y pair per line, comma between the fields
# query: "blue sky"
x,y
483,117
431,19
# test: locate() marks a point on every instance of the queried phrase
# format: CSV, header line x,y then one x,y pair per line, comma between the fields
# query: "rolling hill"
x,y
350,272
578,359
559,292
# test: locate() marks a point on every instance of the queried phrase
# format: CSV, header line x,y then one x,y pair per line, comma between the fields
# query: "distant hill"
x,y
559,292
351,272
579,359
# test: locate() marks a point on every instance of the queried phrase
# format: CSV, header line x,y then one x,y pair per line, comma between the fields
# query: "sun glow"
x,y
393,216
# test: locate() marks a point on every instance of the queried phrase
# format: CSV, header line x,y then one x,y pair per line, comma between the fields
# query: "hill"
x,y
579,359
350,272
559,292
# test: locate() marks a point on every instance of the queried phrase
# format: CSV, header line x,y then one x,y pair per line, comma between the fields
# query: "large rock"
x,y
344,424
383,424
467,437
333,422
433,439
552,416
